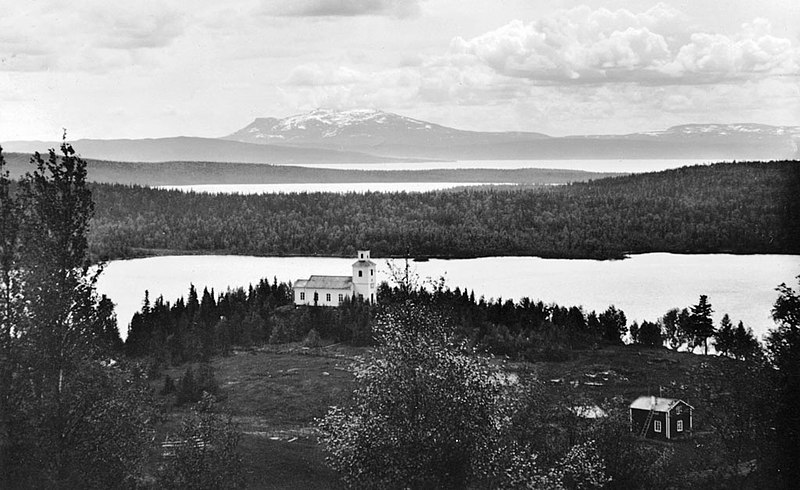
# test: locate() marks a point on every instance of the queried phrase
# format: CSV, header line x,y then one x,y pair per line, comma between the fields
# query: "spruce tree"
x,y
701,324
724,336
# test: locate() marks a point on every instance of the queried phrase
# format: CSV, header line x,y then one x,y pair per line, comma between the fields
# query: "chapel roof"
x,y
325,282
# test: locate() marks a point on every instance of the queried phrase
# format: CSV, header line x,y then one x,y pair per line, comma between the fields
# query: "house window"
x,y
680,426
360,273
657,426
341,298
371,272
328,297
302,296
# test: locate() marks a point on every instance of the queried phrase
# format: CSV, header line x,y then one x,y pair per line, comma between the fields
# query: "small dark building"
x,y
661,418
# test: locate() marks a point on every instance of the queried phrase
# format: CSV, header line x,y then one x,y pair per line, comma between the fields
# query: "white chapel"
x,y
331,290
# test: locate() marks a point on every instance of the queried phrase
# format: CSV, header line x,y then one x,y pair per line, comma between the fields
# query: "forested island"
x,y
744,207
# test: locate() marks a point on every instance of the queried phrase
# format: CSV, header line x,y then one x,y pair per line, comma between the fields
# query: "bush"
x,y
313,339
205,454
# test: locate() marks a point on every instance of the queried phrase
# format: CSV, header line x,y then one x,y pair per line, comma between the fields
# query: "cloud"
x,y
92,35
585,46
343,8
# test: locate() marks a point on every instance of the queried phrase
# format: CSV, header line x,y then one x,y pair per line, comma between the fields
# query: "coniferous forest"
x,y
80,410
747,207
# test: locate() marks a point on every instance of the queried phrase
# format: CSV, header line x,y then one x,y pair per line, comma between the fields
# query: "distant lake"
x,y
339,188
625,166
643,286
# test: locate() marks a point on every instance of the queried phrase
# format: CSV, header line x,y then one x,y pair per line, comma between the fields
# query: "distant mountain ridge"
x,y
192,149
374,136
364,131
391,135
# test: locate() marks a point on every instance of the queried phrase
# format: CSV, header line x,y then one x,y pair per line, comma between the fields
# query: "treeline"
x,y
731,207
193,173
204,325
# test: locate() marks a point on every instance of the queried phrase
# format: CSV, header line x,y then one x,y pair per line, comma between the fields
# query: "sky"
x,y
149,69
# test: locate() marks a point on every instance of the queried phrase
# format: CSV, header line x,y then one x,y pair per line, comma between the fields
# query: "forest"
x,y
424,406
204,324
189,172
745,207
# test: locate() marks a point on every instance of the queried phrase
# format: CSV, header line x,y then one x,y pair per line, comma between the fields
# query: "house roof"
x,y
657,403
363,262
325,282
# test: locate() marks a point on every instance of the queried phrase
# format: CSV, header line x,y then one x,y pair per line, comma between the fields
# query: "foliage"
x,y
738,342
192,387
650,334
700,326
430,413
169,385
614,324
424,413
71,415
738,207
629,461
312,339
783,350
205,452
739,407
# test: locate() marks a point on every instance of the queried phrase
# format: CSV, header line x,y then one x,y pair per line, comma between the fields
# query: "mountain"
x,y
369,131
197,150
392,135
371,136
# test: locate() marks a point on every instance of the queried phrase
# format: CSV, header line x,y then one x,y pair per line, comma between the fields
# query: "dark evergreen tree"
x,y
744,344
783,349
724,336
614,324
701,324
650,334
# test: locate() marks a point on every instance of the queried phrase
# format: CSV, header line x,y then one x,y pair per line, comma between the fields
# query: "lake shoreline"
x,y
140,253
643,286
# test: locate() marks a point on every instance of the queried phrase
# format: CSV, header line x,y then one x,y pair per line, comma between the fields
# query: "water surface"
x,y
643,286
338,187
599,165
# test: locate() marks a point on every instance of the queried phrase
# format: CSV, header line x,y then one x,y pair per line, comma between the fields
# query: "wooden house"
x,y
661,418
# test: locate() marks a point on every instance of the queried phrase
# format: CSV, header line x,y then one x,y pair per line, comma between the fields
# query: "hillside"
x,y
185,173
196,150
732,208
275,393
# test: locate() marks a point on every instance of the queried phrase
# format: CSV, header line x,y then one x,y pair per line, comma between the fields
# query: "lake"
x,y
644,286
339,188
598,165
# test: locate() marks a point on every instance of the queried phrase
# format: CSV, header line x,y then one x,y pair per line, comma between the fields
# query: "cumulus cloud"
x,y
343,8
578,65
586,46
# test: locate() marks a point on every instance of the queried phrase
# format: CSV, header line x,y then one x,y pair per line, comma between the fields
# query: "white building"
x,y
331,290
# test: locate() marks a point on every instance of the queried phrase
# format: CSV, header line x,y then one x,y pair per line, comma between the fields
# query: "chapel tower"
x,y
364,280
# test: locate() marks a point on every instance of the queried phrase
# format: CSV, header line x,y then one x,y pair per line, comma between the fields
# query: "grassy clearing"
x,y
275,393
